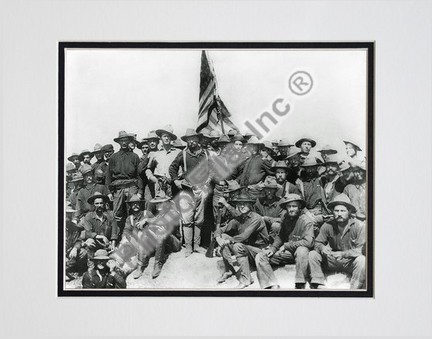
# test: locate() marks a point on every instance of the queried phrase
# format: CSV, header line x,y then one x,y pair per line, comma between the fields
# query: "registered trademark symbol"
x,y
300,83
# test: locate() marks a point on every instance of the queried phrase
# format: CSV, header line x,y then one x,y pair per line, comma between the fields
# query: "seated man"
x,y
339,244
268,207
104,273
291,245
281,171
250,237
100,224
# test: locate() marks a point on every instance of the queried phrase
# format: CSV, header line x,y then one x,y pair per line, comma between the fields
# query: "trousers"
x,y
245,255
264,265
352,266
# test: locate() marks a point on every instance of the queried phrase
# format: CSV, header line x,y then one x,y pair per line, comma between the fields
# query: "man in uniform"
x,y
305,145
291,245
74,158
122,176
338,247
280,169
194,162
250,237
356,191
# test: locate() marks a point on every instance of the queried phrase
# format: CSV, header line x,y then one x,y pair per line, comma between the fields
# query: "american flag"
x,y
212,110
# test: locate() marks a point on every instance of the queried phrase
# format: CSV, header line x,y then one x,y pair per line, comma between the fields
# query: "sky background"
x,y
138,90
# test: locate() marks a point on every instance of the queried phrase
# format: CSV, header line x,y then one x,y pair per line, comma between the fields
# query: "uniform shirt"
x,y
331,188
123,165
250,230
357,195
350,242
288,188
294,233
270,209
86,192
312,191
132,220
197,166
160,161
254,170
106,226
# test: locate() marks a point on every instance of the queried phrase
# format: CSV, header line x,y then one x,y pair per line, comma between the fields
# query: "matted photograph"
x,y
216,169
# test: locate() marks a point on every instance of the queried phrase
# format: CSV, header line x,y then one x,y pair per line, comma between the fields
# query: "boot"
x,y
188,235
156,270
138,272
159,259
197,240
300,286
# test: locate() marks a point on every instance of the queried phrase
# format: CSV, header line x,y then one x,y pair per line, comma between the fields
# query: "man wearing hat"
x,y
291,245
280,169
135,223
100,224
153,141
338,246
77,182
194,162
235,156
157,170
352,151
267,152
85,157
122,176
283,148
250,237
74,158
70,170
97,152
356,191
268,206
293,160
331,178
326,151
305,145
104,274
254,169
102,165
89,188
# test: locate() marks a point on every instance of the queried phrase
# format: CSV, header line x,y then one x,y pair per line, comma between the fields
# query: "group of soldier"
x,y
256,204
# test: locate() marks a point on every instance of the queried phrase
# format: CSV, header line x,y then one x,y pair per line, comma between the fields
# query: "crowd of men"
x,y
256,204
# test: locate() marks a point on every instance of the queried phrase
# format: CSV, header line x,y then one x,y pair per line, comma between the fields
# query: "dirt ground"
x,y
198,271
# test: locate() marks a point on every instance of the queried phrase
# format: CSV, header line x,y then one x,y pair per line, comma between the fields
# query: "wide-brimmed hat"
x,y
77,176
84,152
97,195
97,148
285,143
279,164
134,198
290,198
299,142
361,165
355,144
232,132
248,135
312,161
159,198
268,145
238,137
270,182
275,142
223,140
205,134
151,135
328,149
70,167
233,186
107,148
254,141
244,197
101,255
124,134
143,141
292,151
342,199
168,130
85,168
344,165
190,132
73,156
332,158
178,144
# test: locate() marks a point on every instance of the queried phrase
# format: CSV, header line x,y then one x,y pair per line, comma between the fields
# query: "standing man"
x,y
305,145
77,183
280,168
283,147
122,177
255,169
97,152
291,245
153,141
250,238
338,246
293,161
194,162
354,158
157,170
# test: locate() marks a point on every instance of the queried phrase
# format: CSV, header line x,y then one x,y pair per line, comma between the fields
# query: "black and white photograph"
x,y
216,168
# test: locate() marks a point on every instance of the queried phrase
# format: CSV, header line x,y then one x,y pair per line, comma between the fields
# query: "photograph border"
x,y
369,47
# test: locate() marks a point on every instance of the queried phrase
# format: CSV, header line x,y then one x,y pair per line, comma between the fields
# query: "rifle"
x,y
210,249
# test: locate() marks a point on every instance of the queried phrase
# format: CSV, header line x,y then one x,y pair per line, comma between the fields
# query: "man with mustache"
x,y
194,189
338,247
291,245
100,224
104,273
280,169
90,188
248,237
356,191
